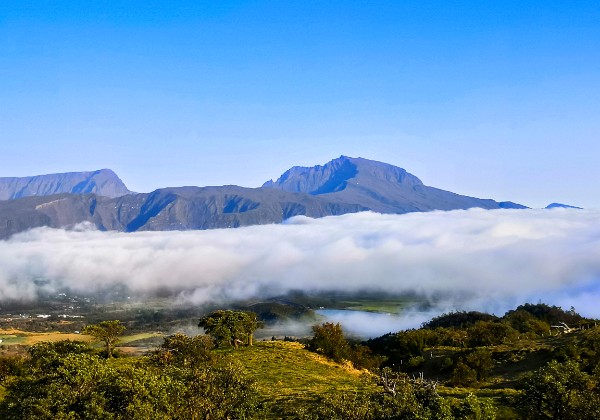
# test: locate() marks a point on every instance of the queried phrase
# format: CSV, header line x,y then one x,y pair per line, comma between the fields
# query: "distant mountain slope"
x,y
378,186
561,206
103,182
183,208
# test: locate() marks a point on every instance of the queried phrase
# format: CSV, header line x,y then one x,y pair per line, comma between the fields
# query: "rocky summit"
x,y
378,186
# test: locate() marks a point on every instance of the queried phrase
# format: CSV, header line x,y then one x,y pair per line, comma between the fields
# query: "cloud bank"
x,y
471,259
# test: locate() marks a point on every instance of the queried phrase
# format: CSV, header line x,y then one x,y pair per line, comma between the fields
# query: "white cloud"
x,y
476,258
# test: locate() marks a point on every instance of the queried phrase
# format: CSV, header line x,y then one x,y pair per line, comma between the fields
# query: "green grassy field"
x,y
17,337
131,339
288,376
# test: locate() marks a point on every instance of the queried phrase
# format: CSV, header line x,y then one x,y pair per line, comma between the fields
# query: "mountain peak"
x,y
104,182
338,173
377,186
562,206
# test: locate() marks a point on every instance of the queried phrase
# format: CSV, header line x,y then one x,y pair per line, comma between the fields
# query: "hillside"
x,y
296,377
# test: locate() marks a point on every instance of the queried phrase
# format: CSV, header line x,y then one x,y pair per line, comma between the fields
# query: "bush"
x,y
473,408
397,397
415,362
463,375
64,381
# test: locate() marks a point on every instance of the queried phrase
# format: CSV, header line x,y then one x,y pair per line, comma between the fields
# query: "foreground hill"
x,y
103,182
344,185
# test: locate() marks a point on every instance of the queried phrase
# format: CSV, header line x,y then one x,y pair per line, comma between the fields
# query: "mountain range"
x,y
343,185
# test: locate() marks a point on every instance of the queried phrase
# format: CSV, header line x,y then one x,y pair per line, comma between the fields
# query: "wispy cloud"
x,y
473,258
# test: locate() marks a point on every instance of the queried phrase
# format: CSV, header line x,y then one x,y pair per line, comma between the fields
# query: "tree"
x,y
230,326
488,333
560,391
481,361
251,324
473,408
463,375
182,350
525,322
10,366
106,331
217,392
329,340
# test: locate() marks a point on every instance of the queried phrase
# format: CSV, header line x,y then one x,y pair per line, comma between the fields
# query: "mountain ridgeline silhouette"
x,y
103,182
378,186
344,185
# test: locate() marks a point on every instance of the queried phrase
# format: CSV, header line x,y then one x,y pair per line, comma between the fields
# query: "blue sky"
x,y
491,99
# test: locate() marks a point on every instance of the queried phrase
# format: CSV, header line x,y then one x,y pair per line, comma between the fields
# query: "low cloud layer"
x,y
473,259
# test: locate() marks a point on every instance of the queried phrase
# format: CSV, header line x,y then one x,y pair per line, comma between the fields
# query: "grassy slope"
x,y
290,377
11,337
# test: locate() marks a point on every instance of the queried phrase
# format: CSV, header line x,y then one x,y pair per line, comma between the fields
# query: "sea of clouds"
x,y
466,259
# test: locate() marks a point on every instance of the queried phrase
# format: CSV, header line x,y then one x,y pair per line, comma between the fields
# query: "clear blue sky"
x,y
495,99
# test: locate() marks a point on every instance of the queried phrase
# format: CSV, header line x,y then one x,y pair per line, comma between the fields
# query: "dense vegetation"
x,y
537,361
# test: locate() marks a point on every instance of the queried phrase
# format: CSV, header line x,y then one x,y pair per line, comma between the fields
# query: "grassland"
x,y
13,337
14,340
289,377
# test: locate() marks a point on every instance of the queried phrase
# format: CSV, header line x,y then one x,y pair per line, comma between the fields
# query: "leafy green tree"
x,y
401,346
525,322
182,350
251,323
230,326
363,358
481,362
473,408
328,339
107,332
560,391
216,392
463,375
10,366
489,333
589,348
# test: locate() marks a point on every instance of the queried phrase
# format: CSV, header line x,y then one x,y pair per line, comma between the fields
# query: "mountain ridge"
x,y
562,206
382,187
343,185
102,182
